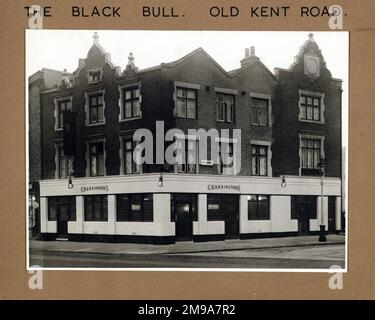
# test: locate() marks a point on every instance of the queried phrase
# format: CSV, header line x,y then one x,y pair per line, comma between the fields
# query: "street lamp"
x,y
322,232
161,179
283,181
70,168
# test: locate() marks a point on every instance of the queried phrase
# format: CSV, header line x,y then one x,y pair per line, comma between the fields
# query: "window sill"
x,y
311,121
185,118
95,124
223,121
260,125
130,119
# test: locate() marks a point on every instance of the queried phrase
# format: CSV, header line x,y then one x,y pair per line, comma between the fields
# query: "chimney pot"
x,y
246,52
252,50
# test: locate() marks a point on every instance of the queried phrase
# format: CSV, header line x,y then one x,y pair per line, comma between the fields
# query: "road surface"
x,y
290,257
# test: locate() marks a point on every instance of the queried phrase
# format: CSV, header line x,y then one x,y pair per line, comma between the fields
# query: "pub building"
x,y
91,189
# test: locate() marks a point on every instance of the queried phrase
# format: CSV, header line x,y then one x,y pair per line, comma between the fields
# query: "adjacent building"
x,y
289,120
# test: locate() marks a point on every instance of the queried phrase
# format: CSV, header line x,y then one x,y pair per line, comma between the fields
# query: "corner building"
x,y
288,120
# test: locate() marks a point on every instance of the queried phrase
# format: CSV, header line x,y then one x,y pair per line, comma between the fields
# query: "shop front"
x,y
185,208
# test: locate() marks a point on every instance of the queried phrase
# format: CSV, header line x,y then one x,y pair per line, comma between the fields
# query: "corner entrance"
x,y
183,213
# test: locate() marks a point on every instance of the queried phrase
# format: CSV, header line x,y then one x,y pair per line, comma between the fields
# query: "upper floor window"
x,y
311,106
129,165
187,155
186,103
62,105
96,108
96,158
94,75
62,164
224,107
131,104
259,112
226,158
311,150
259,160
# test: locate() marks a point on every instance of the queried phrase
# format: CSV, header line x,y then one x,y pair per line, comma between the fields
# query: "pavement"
x,y
214,248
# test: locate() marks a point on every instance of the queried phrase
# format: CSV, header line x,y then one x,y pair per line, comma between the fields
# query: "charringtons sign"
x,y
94,188
223,187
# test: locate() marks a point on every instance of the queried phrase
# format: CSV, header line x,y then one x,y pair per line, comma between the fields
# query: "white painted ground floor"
x,y
186,208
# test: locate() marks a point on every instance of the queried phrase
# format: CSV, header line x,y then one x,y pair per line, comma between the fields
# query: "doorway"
x,y
231,216
304,209
62,210
183,213
62,220
332,214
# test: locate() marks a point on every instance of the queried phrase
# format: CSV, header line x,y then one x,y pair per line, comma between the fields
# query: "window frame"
x,y
259,216
313,207
88,157
129,215
59,200
122,101
261,96
190,198
139,168
306,94
257,156
257,110
304,136
186,99
88,107
58,148
218,213
224,104
103,214
187,139
58,113
220,164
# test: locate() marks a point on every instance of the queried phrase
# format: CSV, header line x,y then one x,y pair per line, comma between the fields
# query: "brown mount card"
x,y
246,16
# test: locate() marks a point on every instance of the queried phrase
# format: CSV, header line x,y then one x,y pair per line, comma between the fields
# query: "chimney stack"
x,y
252,50
249,57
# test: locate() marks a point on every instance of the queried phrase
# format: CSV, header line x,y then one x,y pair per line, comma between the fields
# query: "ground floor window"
x,y
258,207
303,206
96,208
214,207
61,208
135,207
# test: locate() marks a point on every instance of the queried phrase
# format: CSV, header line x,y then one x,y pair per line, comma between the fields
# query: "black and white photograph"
x,y
186,150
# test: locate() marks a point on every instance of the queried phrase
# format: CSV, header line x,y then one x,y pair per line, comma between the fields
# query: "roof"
x,y
200,50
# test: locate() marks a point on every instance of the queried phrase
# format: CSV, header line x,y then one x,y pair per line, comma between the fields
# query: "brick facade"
x,y
157,91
